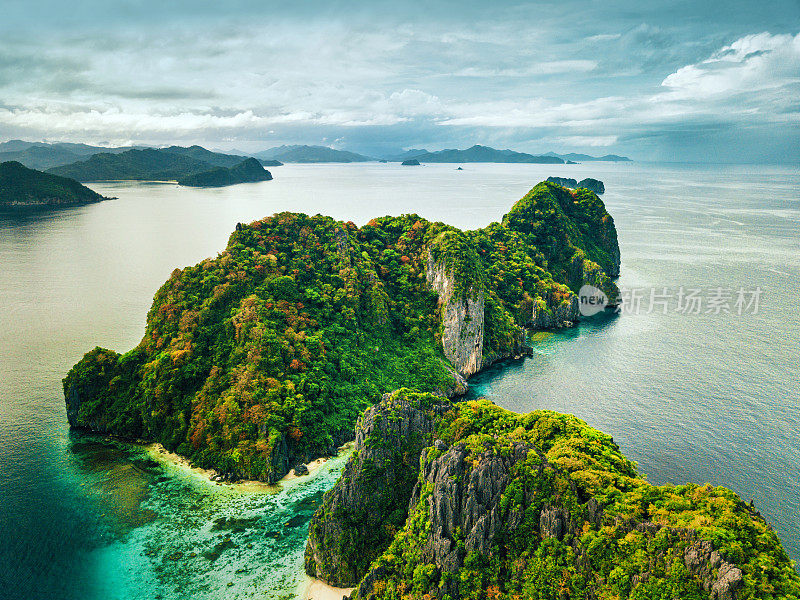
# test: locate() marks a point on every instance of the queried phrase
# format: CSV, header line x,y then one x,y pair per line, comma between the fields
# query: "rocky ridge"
x,y
527,505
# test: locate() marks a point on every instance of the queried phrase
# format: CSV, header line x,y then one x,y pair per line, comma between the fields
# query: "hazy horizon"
x,y
677,82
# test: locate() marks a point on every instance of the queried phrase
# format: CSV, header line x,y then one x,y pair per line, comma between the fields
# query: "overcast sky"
x,y
697,81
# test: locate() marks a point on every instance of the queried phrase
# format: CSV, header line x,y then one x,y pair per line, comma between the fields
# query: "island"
x,y
306,332
22,187
411,162
247,171
264,357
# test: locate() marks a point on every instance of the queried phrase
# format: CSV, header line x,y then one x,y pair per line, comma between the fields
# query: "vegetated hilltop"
x,y
266,355
247,171
20,187
311,154
467,500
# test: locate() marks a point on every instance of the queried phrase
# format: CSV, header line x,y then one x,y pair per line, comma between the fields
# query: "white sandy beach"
x,y
319,590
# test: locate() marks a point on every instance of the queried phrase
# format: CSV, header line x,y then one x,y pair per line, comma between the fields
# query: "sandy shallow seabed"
x,y
319,590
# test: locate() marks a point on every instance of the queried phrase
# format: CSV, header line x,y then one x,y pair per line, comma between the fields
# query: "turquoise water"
x,y
690,397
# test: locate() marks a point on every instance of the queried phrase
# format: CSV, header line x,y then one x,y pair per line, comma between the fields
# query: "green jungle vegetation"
x,y
274,347
623,537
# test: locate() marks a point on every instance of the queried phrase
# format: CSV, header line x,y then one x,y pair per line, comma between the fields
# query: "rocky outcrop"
x,y
369,503
540,503
462,318
593,185
563,181
555,312
720,578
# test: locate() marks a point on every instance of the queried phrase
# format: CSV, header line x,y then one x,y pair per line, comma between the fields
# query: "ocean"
x,y
703,390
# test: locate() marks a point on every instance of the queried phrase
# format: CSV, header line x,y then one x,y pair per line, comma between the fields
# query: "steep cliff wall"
x,y
543,506
462,317
361,514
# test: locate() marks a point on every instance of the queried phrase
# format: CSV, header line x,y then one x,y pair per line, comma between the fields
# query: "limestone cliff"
x,y
360,516
543,506
462,318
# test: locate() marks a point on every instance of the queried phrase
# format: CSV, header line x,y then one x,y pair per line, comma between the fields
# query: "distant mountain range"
x,y
487,154
311,154
586,158
37,155
96,163
484,154
167,164
23,187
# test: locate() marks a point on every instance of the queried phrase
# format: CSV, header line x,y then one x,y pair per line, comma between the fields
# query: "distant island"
x,y
24,187
411,162
247,171
311,154
167,164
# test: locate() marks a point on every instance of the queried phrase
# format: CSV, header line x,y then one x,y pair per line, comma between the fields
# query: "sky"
x,y
699,81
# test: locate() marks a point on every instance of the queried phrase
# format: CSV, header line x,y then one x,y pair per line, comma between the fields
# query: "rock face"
x,y
462,318
532,506
552,313
361,514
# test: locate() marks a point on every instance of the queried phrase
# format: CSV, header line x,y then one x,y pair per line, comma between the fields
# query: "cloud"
x,y
573,74
749,65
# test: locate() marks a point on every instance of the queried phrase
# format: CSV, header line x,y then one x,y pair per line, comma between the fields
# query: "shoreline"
x,y
161,454
316,589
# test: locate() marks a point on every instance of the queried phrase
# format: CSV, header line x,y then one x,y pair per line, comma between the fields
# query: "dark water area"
x,y
690,397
